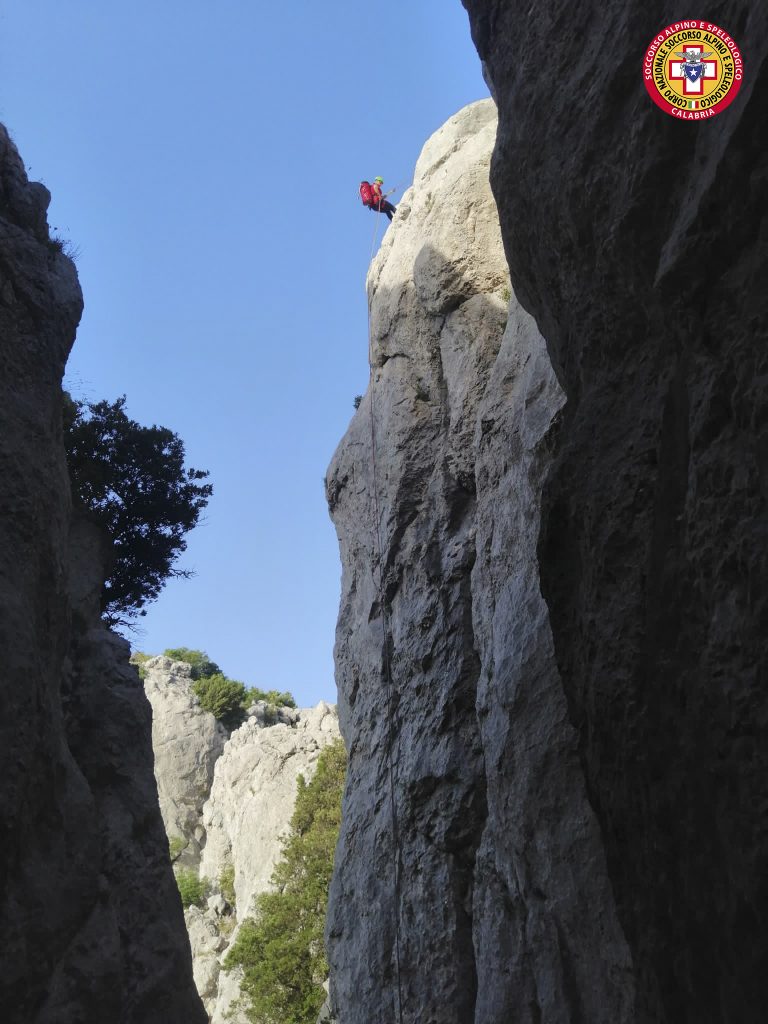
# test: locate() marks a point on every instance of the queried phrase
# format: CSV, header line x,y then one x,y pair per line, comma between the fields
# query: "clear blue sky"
x,y
205,158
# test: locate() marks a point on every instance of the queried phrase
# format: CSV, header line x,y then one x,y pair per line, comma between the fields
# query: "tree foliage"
x,y
281,951
224,698
284,699
200,663
134,481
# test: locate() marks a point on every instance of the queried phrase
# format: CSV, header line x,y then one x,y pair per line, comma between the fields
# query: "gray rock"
x,y
217,905
227,1008
269,714
325,1016
503,881
207,943
638,244
187,742
91,921
252,797
250,804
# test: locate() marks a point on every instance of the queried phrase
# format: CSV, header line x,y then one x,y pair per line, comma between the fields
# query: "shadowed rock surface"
x,y
506,911
640,245
91,921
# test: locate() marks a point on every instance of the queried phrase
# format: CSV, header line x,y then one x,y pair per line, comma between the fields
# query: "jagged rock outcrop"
x,y
91,922
503,880
253,793
639,245
231,798
187,742
248,812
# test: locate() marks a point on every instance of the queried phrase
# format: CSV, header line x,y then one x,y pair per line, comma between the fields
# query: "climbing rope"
x,y
370,260
386,633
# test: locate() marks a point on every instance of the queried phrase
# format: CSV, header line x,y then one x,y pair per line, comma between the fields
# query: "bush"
x,y
192,889
63,245
224,698
357,400
134,482
201,664
176,846
139,659
281,951
284,699
227,884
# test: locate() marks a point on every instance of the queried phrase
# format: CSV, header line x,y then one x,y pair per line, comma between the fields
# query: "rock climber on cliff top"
x,y
375,199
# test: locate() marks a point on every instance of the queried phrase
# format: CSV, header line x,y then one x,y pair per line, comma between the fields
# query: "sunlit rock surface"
x,y
504,890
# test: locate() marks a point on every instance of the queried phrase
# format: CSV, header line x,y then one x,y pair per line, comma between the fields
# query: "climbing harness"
x,y
386,635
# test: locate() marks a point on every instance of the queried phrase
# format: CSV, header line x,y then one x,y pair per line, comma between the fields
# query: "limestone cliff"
x,y
573,543
187,741
230,799
91,923
503,879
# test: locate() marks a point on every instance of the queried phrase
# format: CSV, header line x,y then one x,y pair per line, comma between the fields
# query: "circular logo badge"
x,y
693,70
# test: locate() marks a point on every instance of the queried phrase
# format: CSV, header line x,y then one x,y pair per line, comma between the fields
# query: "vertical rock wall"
x,y
187,741
91,923
505,908
640,245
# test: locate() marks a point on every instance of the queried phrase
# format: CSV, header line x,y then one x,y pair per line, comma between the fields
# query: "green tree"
x,y
134,481
281,951
224,698
201,664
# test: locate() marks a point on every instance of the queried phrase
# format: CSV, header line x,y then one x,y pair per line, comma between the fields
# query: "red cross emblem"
x,y
676,72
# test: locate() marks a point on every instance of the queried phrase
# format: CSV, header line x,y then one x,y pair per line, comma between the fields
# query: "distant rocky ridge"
x,y
228,800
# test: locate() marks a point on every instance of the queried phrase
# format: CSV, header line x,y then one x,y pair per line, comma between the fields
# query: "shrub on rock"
x,y
281,951
192,889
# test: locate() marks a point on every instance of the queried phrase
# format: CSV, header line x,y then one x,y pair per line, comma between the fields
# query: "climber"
x,y
375,199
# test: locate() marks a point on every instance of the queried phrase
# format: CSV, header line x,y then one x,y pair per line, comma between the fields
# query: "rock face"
x,y
91,923
231,798
639,244
187,741
503,882
247,814
253,793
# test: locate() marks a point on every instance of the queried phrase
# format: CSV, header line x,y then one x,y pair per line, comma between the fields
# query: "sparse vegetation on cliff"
x,y
227,699
199,662
227,884
192,889
224,698
281,951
